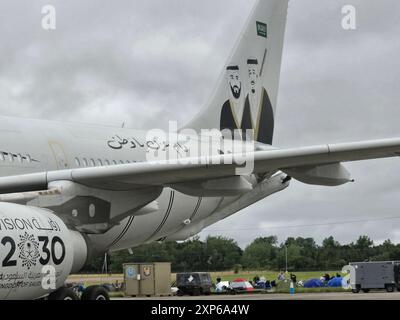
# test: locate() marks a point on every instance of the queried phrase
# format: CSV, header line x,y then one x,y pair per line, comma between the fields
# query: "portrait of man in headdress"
x,y
258,113
232,110
255,115
252,102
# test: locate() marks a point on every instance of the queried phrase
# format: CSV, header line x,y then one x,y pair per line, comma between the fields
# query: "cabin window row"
x,y
84,162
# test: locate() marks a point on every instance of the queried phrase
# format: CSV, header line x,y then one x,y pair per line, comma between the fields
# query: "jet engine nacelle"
x,y
37,252
330,175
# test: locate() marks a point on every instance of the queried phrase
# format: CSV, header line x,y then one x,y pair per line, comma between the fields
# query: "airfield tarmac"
x,y
379,295
374,295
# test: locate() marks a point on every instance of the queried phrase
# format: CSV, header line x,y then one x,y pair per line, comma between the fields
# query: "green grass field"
x,y
93,279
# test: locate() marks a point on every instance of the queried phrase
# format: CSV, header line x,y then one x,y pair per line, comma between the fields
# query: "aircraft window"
x,y
121,161
127,161
85,163
2,156
114,162
92,163
77,162
28,158
19,157
107,162
99,162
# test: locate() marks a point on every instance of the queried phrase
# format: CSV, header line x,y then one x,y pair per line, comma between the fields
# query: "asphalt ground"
x,y
378,295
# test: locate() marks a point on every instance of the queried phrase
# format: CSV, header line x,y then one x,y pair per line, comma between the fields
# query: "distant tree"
x,y
329,254
363,248
302,254
94,266
364,242
190,256
330,243
261,253
153,252
221,253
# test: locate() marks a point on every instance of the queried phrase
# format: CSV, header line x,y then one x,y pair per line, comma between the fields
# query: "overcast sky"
x,y
148,62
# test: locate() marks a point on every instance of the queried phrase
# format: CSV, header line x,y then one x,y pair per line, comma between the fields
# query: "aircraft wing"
x,y
137,175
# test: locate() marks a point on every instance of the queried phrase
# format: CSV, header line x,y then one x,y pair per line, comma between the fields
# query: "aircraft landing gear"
x,y
95,293
90,293
63,293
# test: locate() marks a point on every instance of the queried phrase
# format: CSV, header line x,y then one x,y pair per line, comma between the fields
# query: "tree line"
x,y
264,253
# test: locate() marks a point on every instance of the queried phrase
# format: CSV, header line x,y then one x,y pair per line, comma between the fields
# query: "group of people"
x,y
256,283
282,277
262,283
326,278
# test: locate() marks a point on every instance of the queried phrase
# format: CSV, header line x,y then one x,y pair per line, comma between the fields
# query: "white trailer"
x,y
375,275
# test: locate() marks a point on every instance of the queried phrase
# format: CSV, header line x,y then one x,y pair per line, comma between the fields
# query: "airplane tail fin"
x,y
246,95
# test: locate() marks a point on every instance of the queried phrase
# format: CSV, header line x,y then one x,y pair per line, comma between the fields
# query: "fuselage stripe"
x,y
168,212
171,202
196,209
124,231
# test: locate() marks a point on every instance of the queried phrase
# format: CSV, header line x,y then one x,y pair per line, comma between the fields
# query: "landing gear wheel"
x,y
389,288
63,294
95,293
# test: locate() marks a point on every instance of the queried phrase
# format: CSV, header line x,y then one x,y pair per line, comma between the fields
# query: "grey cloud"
x,y
336,86
147,52
148,62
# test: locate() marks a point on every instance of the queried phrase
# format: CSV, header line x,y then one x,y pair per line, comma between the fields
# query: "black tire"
x,y
95,293
365,290
196,292
232,292
63,294
357,290
389,288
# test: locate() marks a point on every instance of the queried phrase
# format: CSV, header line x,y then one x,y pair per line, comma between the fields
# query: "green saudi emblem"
x,y
262,29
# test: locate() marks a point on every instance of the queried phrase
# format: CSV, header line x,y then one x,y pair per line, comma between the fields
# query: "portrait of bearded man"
x,y
258,114
253,118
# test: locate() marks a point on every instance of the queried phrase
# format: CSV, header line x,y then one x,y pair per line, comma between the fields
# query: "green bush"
x,y
237,268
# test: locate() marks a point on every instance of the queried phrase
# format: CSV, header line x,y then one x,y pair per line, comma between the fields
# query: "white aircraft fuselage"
x,y
31,146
